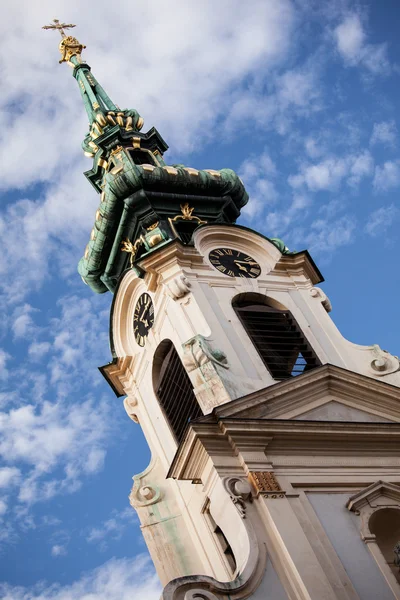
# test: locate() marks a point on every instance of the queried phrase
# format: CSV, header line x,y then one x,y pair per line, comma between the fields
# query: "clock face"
x,y
143,318
234,263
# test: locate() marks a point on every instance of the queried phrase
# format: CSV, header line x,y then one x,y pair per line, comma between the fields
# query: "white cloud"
x,y
327,236
23,325
49,436
50,521
324,236
112,528
381,219
350,38
9,476
258,174
329,173
3,507
37,350
4,357
313,147
117,579
294,94
384,133
58,550
387,176
277,222
361,166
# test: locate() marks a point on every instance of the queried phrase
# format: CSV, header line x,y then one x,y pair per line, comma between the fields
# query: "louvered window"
x,y
174,389
278,339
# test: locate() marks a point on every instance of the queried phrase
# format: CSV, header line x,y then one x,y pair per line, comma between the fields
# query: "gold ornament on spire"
x,y
127,246
69,45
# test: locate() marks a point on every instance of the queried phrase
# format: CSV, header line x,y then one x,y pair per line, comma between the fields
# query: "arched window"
x,y
174,389
385,525
277,337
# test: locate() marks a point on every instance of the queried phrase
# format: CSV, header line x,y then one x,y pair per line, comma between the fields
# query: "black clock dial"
x,y
234,263
143,318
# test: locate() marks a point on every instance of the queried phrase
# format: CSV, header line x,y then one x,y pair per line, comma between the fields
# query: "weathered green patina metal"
x,y
137,197
144,203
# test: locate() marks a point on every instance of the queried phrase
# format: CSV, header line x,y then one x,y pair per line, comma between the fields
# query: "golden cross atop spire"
x,y
69,46
59,26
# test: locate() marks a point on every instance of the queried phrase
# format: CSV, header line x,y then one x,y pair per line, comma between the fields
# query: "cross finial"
x,y
59,26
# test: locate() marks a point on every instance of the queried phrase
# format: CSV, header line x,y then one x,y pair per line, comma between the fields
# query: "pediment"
x,y
335,410
378,494
328,393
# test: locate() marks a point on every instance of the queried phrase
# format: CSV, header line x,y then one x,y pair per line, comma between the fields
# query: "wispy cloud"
x,y
112,528
4,357
351,42
387,176
258,174
58,550
325,236
329,173
381,219
117,579
53,435
384,133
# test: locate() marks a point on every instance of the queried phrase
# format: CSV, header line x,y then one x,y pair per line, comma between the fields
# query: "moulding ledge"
x,y
300,263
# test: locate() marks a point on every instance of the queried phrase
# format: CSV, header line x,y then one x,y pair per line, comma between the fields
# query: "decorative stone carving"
x,y
208,371
266,483
198,351
316,292
383,363
130,404
178,287
375,497
239,491
142,493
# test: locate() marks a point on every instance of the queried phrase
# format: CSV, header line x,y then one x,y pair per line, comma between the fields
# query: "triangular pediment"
x,y
378,494
328,393
335,410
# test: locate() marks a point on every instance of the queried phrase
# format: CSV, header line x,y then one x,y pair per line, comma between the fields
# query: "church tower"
x,y
275,470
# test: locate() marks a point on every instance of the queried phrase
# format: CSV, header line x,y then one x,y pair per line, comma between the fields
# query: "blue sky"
x,y
301,98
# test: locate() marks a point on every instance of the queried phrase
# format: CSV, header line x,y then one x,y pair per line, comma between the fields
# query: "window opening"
x,y
142,157
278,339
185,230
174,390
385,525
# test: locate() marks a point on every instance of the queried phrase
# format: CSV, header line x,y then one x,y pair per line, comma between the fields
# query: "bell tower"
x,y
275,471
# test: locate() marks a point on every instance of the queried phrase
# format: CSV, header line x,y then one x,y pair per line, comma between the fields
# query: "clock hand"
x,y
242,268
245,262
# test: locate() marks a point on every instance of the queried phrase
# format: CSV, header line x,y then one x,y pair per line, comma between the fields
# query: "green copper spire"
x,y
145,204
102,113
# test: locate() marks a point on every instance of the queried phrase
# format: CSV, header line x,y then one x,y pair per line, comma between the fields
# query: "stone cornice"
x,y
281,398
300,263
235,427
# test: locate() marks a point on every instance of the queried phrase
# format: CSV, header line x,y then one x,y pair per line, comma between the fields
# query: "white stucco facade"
x,y
278,467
